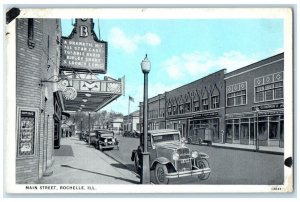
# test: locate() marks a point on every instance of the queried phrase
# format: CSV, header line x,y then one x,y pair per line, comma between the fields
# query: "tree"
x,y
99,119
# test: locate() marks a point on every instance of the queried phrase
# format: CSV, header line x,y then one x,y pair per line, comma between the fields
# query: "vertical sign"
x,y
82,51
27,131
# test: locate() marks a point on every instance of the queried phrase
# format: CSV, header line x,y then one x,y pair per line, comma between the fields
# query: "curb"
x,y
243,149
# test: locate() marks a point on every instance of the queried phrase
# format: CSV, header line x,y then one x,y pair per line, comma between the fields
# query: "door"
x,y
56,135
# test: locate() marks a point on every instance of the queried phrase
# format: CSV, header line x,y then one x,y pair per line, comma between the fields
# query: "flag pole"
x,y
128,113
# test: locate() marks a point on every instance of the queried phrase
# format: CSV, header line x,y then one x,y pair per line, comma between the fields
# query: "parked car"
x,y
201,135
91,137
136,133
170,157
105,139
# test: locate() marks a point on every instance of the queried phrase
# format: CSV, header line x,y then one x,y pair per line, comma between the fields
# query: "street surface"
x,y
229,166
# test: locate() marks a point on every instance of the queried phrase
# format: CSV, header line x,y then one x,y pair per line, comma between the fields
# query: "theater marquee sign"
x,y
82,51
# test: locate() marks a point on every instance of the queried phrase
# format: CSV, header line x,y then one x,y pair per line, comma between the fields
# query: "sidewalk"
x,y
78,163
263,149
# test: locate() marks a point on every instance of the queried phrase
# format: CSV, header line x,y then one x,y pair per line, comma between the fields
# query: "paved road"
x,y
228,166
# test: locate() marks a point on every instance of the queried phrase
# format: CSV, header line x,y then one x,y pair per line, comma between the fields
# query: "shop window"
x,y
262,130
252,132
245,131
236,132
229,132
215,102
273,131
205,104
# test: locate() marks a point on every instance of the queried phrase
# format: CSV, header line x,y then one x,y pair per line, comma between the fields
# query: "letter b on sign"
x,y
84,31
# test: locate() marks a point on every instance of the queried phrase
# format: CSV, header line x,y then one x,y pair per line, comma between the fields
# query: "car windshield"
x,y
107,134
166,138
92,134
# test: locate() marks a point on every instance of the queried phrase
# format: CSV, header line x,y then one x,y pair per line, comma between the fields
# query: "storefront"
x,y
242,128
205,126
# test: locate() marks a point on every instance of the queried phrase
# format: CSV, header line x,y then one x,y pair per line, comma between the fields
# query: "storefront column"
x,y
249,129
268,128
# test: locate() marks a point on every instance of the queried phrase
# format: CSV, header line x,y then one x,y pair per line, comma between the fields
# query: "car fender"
x,y
161,160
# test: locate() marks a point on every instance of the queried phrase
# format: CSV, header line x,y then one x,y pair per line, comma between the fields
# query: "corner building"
x,y
255,103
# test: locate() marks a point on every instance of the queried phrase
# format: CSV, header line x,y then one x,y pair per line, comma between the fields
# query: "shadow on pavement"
x,y
118,178
64,150
122,166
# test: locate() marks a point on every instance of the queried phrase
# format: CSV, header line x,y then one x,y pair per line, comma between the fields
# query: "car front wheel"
x,y
203,163
160,174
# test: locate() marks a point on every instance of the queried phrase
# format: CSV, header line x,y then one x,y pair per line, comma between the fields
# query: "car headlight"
x,y
195,154
105,140
175,156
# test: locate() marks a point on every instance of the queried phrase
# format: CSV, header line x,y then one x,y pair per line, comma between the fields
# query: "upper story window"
x,y
162,112
174,109
187,107
181,110
205,103
268,88
215,98
170,110
215,102
236,94
196,105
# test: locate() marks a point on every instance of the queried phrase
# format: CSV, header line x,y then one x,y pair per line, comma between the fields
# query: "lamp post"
x,y
89,128
145,175
81,134
256,138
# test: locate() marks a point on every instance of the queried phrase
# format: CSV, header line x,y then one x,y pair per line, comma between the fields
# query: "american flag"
x,y
131,99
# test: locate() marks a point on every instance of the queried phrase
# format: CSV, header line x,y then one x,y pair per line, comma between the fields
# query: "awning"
x,y
92,94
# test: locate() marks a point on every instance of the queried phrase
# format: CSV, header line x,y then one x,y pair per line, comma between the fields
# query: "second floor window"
x,y
196,106
236,98
205,104
215,102
269,92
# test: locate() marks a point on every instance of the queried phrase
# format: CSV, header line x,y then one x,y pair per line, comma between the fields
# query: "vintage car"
x,y
170,157
105,139
91,137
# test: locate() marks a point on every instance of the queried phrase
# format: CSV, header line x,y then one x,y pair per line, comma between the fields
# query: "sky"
x,y
180,50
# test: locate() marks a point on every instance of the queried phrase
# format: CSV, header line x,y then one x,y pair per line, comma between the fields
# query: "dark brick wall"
x,y
33,66
249,73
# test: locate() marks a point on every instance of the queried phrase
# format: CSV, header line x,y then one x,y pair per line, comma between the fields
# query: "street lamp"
x,y
89,128
81,134
256,142
145,175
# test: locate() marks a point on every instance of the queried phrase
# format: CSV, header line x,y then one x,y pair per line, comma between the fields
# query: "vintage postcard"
x,y
146,100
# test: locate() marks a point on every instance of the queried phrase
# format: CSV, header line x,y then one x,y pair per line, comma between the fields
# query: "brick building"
x,y
39,105
225,107
256,92
131,122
